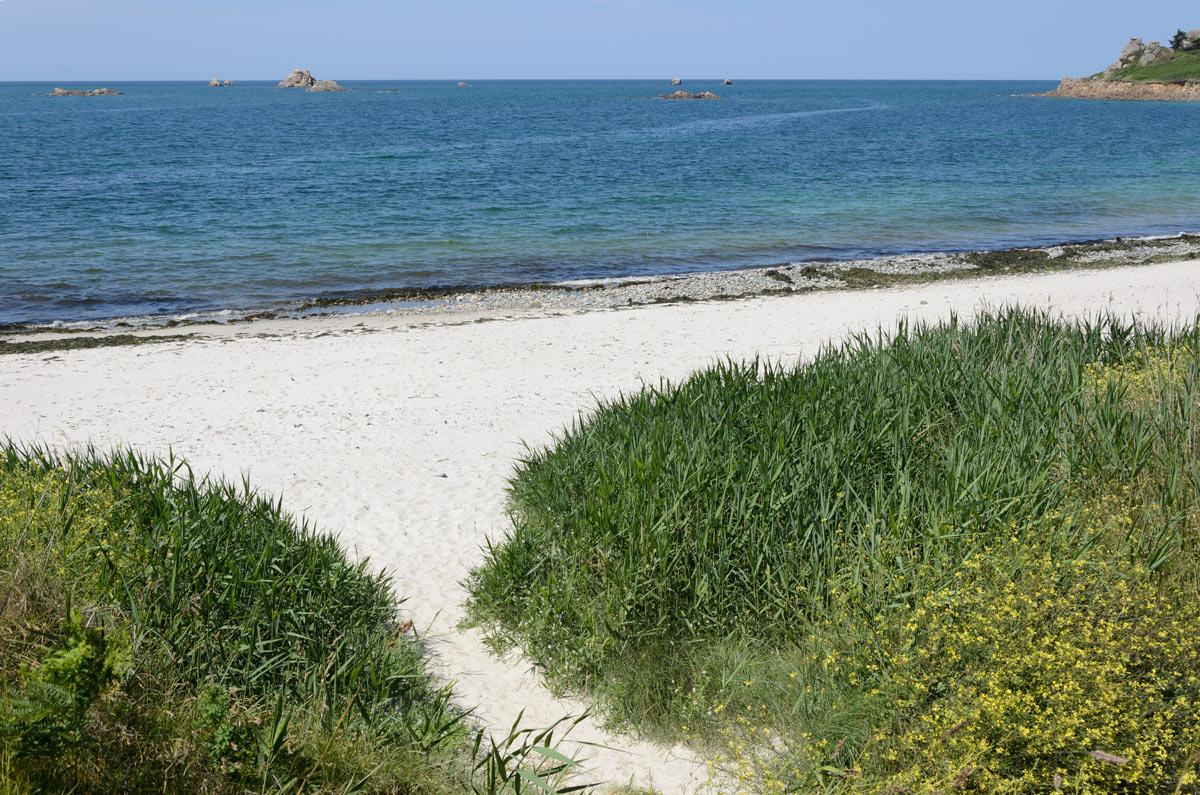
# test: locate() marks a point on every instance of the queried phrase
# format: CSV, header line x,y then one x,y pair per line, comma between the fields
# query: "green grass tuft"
x,y
160,633
746,559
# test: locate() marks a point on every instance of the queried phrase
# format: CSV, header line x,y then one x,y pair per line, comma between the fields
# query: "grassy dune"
x,y
960,558
164,634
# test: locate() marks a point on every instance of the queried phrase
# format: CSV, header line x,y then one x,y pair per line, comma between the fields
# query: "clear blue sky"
x,y
110,40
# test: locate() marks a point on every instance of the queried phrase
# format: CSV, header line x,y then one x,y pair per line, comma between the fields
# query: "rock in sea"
x,y
326,85
686,95
299,78
95,92
302,78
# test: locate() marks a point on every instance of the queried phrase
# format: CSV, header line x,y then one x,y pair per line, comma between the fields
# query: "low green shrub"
x,y
49,718
1030,670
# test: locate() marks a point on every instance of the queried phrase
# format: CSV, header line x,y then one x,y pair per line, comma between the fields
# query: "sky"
x,y
114,40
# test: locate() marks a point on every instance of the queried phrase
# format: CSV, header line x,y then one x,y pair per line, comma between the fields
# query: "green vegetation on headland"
x,y
1184,67
959,558
164,634
1154,63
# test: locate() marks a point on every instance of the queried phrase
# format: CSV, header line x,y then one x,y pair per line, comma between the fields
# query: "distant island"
x,y
95,92
685,95
302,78
1144,71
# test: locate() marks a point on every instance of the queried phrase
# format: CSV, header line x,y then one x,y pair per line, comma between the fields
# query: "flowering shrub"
x,y
1029,672
1080,675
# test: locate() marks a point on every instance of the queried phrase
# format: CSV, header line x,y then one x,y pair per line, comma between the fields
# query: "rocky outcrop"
x,y
676,82
95,92
1131,53
227,83
216,82
326,85
727,82
1135,53
1155,54
686,95
1191,40
1096,88
299,78
302,78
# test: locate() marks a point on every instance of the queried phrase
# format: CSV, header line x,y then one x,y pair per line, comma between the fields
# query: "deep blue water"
x,y
179,198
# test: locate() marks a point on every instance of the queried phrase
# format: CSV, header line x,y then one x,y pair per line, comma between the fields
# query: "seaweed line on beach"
x,y
77,342
446,304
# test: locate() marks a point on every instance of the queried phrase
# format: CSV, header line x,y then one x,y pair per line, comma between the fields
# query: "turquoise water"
x,y
179,198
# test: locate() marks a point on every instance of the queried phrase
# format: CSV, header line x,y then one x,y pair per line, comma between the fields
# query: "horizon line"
x,y
558,80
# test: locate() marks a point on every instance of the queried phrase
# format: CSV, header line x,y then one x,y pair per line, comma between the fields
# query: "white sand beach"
x,y
399,436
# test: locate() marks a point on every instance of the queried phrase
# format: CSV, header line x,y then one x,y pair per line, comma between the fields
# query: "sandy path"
x,y
400,438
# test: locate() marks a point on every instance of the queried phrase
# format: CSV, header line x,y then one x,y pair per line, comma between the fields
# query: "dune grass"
x,y
160,633
955,557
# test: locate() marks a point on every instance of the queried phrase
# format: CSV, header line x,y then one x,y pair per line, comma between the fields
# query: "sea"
x,y
177,200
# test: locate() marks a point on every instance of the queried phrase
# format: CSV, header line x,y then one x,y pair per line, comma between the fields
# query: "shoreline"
x,y
483,303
